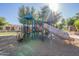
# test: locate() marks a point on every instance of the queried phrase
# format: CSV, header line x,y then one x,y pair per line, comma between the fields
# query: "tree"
x,y
2,21
61,24
44,13
53,17
56,17
77,15
33,12
70,21
22,12
76,23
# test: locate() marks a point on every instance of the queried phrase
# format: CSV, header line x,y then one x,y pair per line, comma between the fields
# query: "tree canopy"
x,y
76,23
3,21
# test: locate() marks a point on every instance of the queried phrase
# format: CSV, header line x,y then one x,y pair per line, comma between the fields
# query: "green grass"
x,y
8,33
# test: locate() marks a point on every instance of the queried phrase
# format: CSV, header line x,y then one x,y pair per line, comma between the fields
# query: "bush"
x,y
1,28
76,23
71,21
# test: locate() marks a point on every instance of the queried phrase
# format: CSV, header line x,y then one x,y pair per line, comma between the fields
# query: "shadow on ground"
x,y
46,48
55,47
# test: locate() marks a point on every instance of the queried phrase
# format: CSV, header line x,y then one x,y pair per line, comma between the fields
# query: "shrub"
x,y
1,28
76,23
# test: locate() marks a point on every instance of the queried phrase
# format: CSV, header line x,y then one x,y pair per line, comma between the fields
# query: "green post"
x,y
42,28
33,29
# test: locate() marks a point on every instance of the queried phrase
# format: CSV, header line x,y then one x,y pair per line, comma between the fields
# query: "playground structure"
x,y
34,28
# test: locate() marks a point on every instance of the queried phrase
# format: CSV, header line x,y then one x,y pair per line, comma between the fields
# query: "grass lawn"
x,y
8,33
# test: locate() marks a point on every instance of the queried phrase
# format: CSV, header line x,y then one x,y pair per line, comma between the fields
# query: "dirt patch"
x,y
8,45
74,42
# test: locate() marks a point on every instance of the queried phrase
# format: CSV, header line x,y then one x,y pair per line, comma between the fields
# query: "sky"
x,y
69,9
10,11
